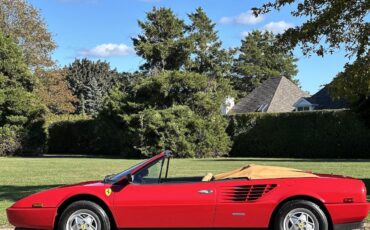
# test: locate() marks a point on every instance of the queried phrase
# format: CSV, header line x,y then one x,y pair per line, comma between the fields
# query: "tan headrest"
x,y
208,177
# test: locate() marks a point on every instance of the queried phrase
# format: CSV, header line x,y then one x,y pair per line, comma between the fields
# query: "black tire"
x,y
315,213
88,207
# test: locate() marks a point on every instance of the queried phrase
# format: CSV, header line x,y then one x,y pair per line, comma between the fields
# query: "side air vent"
x,y
245,193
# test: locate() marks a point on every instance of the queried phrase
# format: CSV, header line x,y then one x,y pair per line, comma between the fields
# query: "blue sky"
x,y
102,29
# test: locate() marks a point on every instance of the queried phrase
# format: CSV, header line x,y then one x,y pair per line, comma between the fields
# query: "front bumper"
x,y
35,218
349,226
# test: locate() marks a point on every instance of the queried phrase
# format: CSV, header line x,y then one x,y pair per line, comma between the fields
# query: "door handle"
x,y
205,191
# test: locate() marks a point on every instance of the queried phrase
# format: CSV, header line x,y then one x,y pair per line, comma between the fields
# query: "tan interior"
x,y
260,172
208,177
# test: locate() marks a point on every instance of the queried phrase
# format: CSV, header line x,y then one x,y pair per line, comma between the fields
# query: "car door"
x,y
148,203
241,203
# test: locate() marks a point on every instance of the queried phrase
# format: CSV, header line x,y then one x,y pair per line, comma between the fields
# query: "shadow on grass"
x,y
290,160
14,193
82,156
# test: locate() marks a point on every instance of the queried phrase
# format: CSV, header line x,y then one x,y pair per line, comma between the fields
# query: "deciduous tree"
x,y
331,25
24,24
54,91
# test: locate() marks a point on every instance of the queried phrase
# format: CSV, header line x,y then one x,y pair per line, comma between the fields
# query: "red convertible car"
x,y
145,196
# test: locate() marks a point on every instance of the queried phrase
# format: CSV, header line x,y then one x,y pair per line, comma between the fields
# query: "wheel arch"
x,y
87,197
301,197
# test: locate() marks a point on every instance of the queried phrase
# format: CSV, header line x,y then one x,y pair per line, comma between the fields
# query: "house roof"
x,y
323,100
276,94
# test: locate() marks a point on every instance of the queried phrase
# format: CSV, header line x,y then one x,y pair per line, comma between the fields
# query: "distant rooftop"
x,y
323,100
276,94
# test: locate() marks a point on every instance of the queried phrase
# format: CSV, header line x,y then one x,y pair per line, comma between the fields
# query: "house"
x,y
279,94
276,94
320,101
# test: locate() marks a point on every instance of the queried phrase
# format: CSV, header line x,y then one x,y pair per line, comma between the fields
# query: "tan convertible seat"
x,y
263,172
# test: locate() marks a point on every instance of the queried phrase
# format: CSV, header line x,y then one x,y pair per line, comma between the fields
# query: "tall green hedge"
x,y
319,134
84,135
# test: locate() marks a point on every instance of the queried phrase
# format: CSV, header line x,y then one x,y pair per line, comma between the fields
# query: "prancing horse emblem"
x,y
108,191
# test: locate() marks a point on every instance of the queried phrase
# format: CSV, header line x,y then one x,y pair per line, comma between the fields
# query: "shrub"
x,y
178,128
9,141
319,134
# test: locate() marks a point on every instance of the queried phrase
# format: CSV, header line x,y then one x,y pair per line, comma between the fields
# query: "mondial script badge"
x,y
108,191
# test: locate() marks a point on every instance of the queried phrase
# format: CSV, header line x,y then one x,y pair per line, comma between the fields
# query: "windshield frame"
x,y
133,169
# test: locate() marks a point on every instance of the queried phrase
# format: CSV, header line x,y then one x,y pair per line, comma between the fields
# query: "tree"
x,y
170,88
208,55
172,109
90,82
162,43
260,59
353,84
23,23
330,25
19,108
54,91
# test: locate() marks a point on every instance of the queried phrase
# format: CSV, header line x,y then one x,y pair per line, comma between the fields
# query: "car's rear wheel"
x,y
301,215
84,215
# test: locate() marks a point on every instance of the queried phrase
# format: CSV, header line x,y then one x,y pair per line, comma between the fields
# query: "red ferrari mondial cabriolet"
x,y
146,196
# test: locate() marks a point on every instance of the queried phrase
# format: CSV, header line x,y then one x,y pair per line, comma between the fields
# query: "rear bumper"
x,y
348,213
35,218
349,226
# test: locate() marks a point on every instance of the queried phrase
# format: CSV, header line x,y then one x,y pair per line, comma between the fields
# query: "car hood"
x,y
85,183
55,196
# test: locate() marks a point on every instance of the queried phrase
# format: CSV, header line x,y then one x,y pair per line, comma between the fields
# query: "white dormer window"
x,y
303,105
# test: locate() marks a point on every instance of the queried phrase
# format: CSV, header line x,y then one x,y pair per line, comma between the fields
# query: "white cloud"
x,y
245,33
107,50
247,18
278,27
226,20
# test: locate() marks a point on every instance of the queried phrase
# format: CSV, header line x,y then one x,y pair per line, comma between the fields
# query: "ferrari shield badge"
x,y
108,191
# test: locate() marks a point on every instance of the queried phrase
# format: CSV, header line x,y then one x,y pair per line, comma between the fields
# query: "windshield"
x,y
115,177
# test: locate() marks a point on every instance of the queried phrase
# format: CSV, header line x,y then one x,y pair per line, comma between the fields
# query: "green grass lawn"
x,y
20,177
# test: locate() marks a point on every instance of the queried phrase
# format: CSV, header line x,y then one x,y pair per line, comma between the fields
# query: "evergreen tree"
x,y
90,82
19,107
208,55
162,43
173,110
259,59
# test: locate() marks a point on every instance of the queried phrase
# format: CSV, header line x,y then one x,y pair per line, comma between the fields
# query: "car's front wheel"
x,y
301,215
84,215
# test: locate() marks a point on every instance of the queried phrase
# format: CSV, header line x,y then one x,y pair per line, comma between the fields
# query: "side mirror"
x,y
128,179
